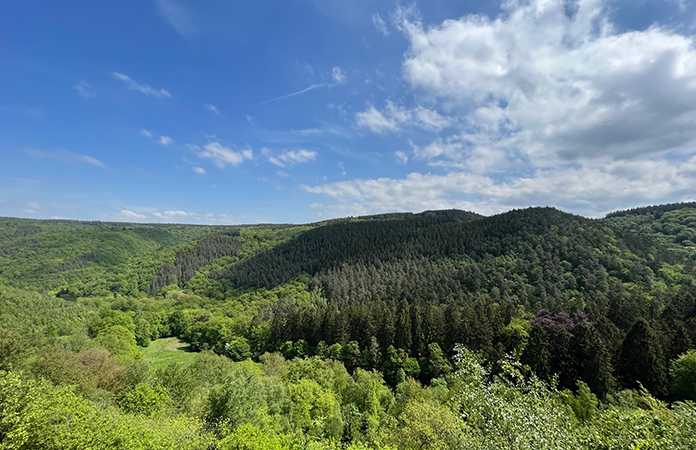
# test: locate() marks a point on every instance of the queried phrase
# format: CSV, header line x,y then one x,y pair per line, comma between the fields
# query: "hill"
x,y
670,226
355,333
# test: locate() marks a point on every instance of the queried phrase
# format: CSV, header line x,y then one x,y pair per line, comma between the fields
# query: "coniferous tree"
x,y
642,360
402,333
536,354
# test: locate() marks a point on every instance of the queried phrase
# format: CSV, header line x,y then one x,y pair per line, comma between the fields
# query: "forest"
x,y
530,329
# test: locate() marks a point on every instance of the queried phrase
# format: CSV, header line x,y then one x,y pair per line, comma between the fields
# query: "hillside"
x,y
352,323
669,226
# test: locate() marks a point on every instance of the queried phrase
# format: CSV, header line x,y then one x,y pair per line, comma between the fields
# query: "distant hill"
x,y
532,254
671,226
574,295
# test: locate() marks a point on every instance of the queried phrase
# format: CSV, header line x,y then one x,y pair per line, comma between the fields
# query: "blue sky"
x,y
300,110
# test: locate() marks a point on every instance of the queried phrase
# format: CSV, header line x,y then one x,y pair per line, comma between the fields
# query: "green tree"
x,y
250,437
436,364
642,360
145,399
120,341
584,403
536,353
683,371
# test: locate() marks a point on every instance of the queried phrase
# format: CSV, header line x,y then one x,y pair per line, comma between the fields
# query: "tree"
x,y
422,425
238,349
683,371
145,399
536,353
593,360
642,360
250,437
584,404
120,341
436,364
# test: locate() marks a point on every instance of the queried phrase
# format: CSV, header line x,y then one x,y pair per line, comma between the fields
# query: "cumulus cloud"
x,y
561,87
85,90
165,140
375,121
171,215
415,192
394,116
143,88
221,156
593,191
199,170
66,157
290,158
380,24
545,105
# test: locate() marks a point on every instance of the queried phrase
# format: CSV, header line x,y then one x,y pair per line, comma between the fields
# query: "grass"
x,y
161,352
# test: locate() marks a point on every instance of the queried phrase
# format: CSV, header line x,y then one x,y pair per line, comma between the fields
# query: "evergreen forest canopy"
x,y
442,330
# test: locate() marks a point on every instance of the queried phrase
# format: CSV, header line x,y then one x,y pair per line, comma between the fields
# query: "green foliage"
x,y
642,359
683,372
120,341
584,404
346,334
510,410
145,399
249,437
38,415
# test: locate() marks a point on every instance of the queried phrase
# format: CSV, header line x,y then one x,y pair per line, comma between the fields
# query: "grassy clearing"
x,y
164,351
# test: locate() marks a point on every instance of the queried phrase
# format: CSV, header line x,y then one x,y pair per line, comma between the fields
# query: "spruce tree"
x,y
642,360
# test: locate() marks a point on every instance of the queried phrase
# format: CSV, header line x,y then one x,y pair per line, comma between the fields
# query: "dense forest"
x,y
442,330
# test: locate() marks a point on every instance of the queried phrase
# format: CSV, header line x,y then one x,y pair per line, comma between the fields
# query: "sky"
x,y
294,111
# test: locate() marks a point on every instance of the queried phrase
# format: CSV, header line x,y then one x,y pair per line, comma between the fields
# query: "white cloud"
x,y
590,190
165,140
545,107
66,157
394,116
292,157
221,156
401,157
31,208
146,133
132,215
85,90
170,215
415,192
212,109
199,170
380,24
338,75
561,88
375,121
251,120
143,88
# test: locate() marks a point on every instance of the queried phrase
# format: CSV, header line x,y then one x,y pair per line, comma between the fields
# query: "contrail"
x,y
307,89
